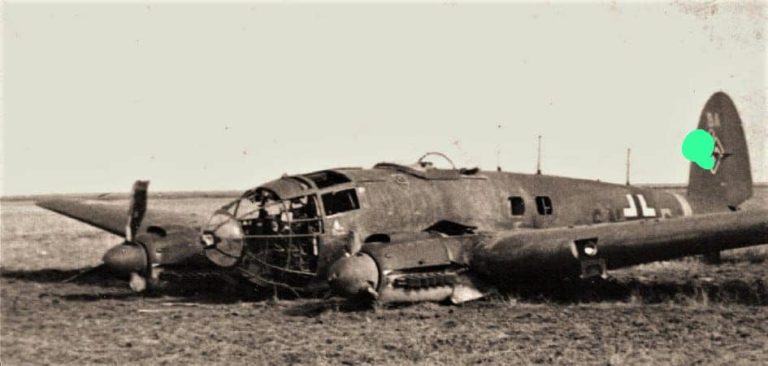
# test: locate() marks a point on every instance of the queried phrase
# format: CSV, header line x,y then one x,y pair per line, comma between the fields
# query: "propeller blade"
x,y
137,209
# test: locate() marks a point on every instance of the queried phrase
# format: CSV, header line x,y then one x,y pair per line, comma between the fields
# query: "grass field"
x,y
678,312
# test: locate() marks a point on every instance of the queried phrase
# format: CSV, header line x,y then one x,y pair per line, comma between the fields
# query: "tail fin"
x,y
729,182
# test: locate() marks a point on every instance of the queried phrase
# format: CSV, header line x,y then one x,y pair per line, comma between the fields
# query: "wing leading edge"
x,y
564,252
113,218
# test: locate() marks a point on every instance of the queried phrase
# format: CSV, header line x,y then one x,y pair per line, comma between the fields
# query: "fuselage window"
x,y
518,205
341,201
543,205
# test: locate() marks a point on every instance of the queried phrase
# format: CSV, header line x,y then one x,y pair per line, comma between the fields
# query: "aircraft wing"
x,y
590,250
113,217
431,268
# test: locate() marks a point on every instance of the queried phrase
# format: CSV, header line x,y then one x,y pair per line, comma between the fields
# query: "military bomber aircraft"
x,y
406,233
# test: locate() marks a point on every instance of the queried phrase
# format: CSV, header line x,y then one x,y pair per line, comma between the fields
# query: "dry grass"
x,y
678,312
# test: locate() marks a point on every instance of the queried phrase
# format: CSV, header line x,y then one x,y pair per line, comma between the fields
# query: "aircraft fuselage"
x,y
296,226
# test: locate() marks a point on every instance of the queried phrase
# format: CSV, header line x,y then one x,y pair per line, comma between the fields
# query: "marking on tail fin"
x,y
719,153
713,120
698,146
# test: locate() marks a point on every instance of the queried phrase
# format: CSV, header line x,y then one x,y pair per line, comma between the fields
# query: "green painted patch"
x,y
698,147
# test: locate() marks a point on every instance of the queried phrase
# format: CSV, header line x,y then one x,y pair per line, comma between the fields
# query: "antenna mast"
x,y
498,151
629,151
538,158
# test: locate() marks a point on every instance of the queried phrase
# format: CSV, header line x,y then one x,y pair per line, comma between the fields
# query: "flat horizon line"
x,y
108,196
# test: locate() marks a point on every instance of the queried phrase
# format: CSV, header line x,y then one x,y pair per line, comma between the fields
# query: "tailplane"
x,y
729,182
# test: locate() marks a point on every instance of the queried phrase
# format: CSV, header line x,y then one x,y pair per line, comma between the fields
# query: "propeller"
x,y
133,256
136,211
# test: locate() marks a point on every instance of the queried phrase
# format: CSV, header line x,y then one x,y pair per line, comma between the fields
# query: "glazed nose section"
x,y
354,276
126,258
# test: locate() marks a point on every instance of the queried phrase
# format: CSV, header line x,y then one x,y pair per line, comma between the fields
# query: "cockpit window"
x,y
264,214
258,204
327,178
341,201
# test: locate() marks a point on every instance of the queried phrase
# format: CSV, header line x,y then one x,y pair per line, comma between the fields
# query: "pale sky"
x,y
213,96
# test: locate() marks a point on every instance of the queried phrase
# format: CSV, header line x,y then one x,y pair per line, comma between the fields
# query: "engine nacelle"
x,y
433,269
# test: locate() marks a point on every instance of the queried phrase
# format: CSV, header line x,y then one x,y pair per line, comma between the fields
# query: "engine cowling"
x,y
433,269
